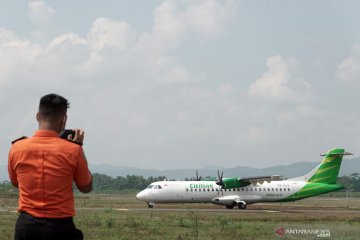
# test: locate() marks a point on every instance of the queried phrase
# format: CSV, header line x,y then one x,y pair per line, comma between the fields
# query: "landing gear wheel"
x,y
150,206
230,206
241,205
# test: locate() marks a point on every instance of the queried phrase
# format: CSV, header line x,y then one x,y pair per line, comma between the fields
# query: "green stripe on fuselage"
x,y
312,189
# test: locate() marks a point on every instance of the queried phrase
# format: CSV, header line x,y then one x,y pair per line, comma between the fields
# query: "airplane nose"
x,y
140,195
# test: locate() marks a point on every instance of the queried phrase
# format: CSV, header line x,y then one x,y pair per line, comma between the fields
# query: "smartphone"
x,y
66,132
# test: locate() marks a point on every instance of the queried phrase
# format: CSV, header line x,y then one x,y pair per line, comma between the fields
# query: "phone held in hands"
x,y
66,132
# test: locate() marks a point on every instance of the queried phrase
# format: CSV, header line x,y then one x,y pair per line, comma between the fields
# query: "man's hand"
x,y
79,136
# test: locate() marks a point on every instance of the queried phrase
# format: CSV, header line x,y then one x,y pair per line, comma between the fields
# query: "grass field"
x,y
111,217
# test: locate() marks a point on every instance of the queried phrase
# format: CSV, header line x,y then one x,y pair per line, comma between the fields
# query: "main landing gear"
x,y
240,205
230,206
151,204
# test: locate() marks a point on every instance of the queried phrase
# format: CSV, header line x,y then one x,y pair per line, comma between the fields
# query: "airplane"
x,y
240,192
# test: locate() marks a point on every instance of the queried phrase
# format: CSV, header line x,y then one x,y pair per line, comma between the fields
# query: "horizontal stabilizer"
x,y
336,154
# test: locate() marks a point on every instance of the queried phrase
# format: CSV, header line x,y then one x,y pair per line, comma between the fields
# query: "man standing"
x,y
44,168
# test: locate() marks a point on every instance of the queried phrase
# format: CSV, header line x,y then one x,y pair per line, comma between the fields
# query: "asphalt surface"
x,y
235,209
215,210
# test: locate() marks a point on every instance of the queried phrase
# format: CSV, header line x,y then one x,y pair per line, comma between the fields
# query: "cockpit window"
x,y
159,187
150,186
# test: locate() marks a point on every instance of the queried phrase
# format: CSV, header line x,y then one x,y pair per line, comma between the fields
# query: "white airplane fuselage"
x,y
241,191
210,192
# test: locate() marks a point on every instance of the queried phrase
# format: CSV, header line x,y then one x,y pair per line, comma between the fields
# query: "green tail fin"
x,y
328,170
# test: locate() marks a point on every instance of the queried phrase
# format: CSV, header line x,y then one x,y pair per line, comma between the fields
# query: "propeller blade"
x,y
220,181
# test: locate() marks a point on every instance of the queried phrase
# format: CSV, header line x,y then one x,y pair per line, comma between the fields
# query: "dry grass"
x,y
99,218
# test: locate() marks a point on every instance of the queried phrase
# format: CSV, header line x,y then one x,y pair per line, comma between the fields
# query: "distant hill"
x,y
293,170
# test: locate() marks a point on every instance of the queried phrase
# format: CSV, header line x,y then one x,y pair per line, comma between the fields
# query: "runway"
x,y
216,210
212,210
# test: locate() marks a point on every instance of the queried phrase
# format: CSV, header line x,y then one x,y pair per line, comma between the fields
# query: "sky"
x,y
186,84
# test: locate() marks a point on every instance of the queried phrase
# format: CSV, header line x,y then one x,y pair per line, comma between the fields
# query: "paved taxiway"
x,y
232,210
215,210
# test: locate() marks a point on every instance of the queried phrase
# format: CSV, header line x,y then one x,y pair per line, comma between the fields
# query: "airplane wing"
x,y
260,179
228,183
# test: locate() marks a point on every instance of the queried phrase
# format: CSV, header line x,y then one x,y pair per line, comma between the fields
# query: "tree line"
x,y
103,183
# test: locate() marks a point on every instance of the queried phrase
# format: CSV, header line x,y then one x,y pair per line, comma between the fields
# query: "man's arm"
x,y
11,171
83,177
87,188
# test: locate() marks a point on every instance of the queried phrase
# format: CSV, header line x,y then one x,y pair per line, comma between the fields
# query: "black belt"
x,y
54,220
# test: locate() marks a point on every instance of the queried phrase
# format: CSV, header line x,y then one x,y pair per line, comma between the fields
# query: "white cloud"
x,y
174,20
255,134
39,12
278,82
208,18
107,33
349,69
118,79
15,54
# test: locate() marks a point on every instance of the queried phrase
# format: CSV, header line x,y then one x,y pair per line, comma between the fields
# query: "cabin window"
x,y
234,190
284,189
195,189
264,189
251,189
212,189
280,189
238,189
242,189
191,189
217,189
255,189
272,189
247,189
209,189
260,189
150,186
268,189
289,189
276,189
204,190
187,189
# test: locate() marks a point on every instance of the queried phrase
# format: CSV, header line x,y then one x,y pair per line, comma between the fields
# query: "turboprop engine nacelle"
x,y
226,200
233,183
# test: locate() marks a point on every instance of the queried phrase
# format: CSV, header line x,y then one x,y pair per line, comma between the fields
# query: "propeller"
x,y
220,178
197,178
220,182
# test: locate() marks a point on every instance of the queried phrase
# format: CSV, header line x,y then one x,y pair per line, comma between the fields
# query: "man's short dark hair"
x,y
53,105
